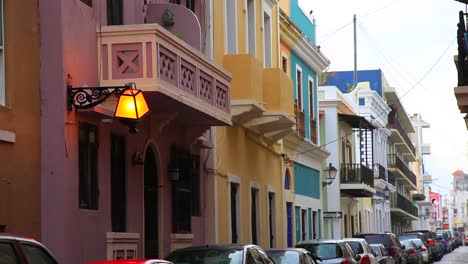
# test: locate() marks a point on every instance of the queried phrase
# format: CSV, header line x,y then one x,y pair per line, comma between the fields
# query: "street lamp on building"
x,y
386,192
330,174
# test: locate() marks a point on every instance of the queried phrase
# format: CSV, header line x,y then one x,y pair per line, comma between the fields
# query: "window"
x,y
287,179
190,4
304,230
251,25
88,2
88,166
2,60
272,218
284,64
231,26
175,2
35,254
299,87
312,121
7,254
255,218
235,208
267,47
186,189
114,12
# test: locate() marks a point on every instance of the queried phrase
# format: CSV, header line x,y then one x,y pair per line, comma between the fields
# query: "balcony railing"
x,y
355,173
391,178
395,162
394,122
313,130
404,204
380,172
300,119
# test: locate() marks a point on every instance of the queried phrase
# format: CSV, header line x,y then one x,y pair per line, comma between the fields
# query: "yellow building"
x,y
248,184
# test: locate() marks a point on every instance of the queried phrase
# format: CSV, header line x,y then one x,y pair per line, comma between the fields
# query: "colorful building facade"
x,y
302,60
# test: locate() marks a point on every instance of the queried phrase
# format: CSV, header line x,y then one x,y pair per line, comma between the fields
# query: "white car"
x,y
362,248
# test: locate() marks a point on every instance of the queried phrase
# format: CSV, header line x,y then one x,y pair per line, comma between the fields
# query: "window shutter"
x,y
114,12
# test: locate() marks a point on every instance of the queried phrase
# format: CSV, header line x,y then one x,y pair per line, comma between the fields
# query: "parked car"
x,y
20,250
381,254
444,241
291,256
232,254
419,236
131,261
361,247
411,250
436,248
330,251
422,248
390,242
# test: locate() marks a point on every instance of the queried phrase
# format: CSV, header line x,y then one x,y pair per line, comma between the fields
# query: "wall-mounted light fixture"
x,y
330,174
131,107
386,192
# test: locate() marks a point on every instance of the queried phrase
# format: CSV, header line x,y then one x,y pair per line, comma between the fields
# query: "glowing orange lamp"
x,y
131,108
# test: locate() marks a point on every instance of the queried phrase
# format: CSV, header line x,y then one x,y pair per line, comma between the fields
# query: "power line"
x,y
412,88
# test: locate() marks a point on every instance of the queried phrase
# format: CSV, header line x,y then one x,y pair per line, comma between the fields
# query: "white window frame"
x,y
267,10
309,90
250,44
236,180
298,89
2,59
230,28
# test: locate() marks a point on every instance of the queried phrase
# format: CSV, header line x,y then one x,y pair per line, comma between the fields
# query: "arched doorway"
x,y
151,205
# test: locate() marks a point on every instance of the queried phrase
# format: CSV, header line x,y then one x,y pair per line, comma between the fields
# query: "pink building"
x,y
107,193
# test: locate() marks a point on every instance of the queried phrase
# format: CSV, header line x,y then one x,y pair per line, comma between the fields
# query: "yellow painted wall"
x,y
253,160
284,5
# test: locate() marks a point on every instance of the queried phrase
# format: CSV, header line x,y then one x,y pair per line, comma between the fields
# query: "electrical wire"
x,y
401,97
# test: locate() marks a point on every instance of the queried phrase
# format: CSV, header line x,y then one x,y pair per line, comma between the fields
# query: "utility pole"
x,y
355,53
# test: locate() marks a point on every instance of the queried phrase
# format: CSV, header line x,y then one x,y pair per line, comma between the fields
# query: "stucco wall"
x,y
20,161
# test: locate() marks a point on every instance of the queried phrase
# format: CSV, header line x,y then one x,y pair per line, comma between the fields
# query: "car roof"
x,y
216,246
357,239
303,242
128,261
287,249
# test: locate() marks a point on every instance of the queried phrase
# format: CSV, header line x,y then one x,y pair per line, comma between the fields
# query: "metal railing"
x,y
356,173
395,162
391,178
394,122
300,119
380,172
404,204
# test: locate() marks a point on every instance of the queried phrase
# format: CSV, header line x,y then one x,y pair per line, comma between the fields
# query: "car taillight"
x,y
345,261
392,251
412,252
365,260
431,242
423,249
444,241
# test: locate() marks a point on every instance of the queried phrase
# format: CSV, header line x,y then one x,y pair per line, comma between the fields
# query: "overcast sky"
x,y
413,42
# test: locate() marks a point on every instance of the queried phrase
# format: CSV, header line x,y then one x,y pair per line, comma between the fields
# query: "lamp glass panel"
x,y
126,106
142,107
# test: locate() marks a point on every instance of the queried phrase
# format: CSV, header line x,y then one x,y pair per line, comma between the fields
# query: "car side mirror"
x,y
374,253
358,257
403,247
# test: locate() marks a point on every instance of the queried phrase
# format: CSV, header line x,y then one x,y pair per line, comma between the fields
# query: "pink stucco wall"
x,y
69,47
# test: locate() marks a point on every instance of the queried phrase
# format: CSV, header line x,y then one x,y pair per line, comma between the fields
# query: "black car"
x,y
390,242
233,254
436,249
21,250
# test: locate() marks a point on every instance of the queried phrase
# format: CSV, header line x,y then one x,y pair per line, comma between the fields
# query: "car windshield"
x,y
418,242
325,250
356,246
376,250
284,257
407,244
205,256
379,239
407,236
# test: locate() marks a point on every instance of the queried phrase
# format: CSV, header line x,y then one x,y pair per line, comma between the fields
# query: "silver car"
x,y
421,247
330,251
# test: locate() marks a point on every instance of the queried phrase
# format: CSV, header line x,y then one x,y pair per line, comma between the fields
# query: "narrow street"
x,y
458,256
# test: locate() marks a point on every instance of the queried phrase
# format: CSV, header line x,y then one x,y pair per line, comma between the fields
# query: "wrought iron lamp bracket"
x,y
87,97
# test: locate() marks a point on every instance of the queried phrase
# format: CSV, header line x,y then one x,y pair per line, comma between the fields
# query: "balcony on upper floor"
x,y
400,137
262,98
403,175
402,207
300,120
356,180
461,91
178,80
382,177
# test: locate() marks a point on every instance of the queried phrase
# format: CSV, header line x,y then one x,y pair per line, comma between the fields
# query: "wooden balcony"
x,y
300,120
356,180
402,207
402,173
175,77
